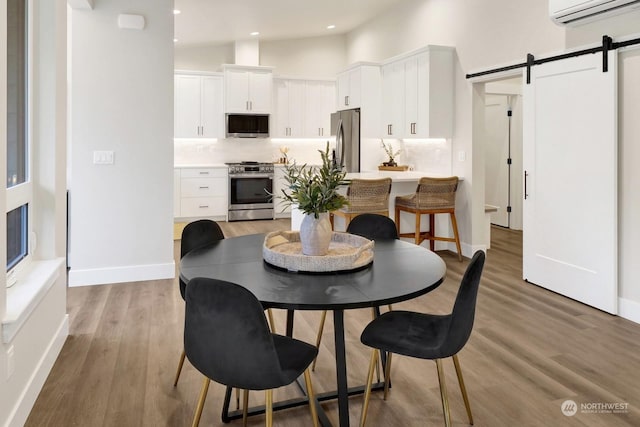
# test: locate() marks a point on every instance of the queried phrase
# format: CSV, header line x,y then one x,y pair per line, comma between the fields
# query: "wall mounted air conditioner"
x,y
577,12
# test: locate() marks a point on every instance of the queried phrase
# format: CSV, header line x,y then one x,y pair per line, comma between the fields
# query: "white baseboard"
x,y
134,273
28,398
629,309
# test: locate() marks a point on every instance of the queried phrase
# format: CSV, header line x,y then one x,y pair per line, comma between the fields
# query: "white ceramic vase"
x,y
315,234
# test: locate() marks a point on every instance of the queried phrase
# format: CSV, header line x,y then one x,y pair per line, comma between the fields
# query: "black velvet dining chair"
x,y
371,226
195,235
427,336
227,339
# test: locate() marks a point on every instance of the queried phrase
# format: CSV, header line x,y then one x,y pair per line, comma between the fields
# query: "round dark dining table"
x,y
400,271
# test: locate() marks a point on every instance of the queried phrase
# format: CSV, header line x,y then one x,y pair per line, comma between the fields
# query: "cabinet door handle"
x,y
250,105
203,188
203,206
203,173
526,174
246,105
346,100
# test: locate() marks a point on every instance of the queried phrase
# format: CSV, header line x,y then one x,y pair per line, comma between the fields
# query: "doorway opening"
x,y
503,152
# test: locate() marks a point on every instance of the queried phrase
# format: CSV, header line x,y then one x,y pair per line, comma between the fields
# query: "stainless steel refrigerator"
x,y
345,125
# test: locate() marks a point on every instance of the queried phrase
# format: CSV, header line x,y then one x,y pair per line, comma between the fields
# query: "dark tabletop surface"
x,y
400,271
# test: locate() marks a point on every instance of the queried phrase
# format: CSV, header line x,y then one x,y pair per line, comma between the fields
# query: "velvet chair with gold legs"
x,y
427,336
196,235
433,196
227,339
365,196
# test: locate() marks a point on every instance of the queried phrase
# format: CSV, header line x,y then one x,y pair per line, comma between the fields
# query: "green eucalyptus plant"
x,y
314,189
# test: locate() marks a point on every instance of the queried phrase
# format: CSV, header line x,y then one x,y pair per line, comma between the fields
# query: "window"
x,y
18,181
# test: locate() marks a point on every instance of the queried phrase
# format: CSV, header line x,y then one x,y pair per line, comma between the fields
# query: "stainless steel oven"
x,y
250,188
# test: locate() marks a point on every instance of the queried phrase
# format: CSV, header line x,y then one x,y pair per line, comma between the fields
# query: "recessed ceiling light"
x,y
255,33
176,12
330,27
175,40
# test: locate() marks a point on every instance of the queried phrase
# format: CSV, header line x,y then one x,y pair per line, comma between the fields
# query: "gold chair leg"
x,y
319,337
373,316
463,389
312,397
269,407
180,363
203,396
454,225
245,407
443,393
271,321
367,389
387,376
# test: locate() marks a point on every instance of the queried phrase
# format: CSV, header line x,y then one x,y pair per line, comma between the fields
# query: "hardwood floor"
x,y
530,351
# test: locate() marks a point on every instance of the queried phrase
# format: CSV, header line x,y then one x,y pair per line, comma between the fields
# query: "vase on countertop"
x,y
315,234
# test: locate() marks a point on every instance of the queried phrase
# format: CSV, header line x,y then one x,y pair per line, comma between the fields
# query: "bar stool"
x,y
365,196
433,196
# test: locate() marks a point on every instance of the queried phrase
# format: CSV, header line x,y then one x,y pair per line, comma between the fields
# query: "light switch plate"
x,y
462,156
103,157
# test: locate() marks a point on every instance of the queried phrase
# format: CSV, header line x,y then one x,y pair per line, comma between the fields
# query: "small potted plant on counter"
x,y
388,148
314,191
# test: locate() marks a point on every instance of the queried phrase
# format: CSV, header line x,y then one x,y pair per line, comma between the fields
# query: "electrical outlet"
x,y
11,363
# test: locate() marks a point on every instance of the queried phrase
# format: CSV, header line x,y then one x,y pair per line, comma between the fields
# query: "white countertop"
x,y
207,165
406,176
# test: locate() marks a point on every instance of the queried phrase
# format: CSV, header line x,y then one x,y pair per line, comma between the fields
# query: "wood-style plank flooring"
x,y
530,351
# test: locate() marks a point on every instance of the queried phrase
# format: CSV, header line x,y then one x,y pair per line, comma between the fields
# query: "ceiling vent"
x,y
578,12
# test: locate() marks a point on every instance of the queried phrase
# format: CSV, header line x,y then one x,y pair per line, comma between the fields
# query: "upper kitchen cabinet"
x,y
302,108
393,94
248,89
198,106
321,102
353,81
289,106
418,92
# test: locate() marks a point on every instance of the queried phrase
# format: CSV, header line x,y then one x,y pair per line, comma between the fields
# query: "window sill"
x,y
27,293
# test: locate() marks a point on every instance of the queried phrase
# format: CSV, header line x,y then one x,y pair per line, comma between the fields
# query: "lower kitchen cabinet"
x,y
201,193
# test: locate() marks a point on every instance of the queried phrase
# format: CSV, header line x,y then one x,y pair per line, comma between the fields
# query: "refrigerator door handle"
x,y
340,143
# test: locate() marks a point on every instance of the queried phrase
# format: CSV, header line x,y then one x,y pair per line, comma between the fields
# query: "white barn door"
x,y
570,164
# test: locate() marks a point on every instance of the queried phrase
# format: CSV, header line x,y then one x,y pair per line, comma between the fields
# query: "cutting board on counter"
x,y
393,168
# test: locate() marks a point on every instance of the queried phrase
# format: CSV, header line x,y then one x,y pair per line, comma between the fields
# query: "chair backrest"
x,y
226,336
198,234
437,193
369,194
463,314
373,226
195,235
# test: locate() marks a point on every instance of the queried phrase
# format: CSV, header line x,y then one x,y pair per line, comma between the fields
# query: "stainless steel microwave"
x,y
247,125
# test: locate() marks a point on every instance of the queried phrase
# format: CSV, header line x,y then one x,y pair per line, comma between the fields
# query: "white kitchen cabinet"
x,y
319,104
393,94
418,94
203,192
198,109
303,108
248,89
281,209
289,108
176,193
353,82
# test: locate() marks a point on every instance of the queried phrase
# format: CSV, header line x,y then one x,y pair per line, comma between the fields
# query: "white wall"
x,y
310,58
121,215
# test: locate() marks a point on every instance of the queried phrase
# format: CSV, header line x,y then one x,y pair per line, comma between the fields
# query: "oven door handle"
x,y
251,175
